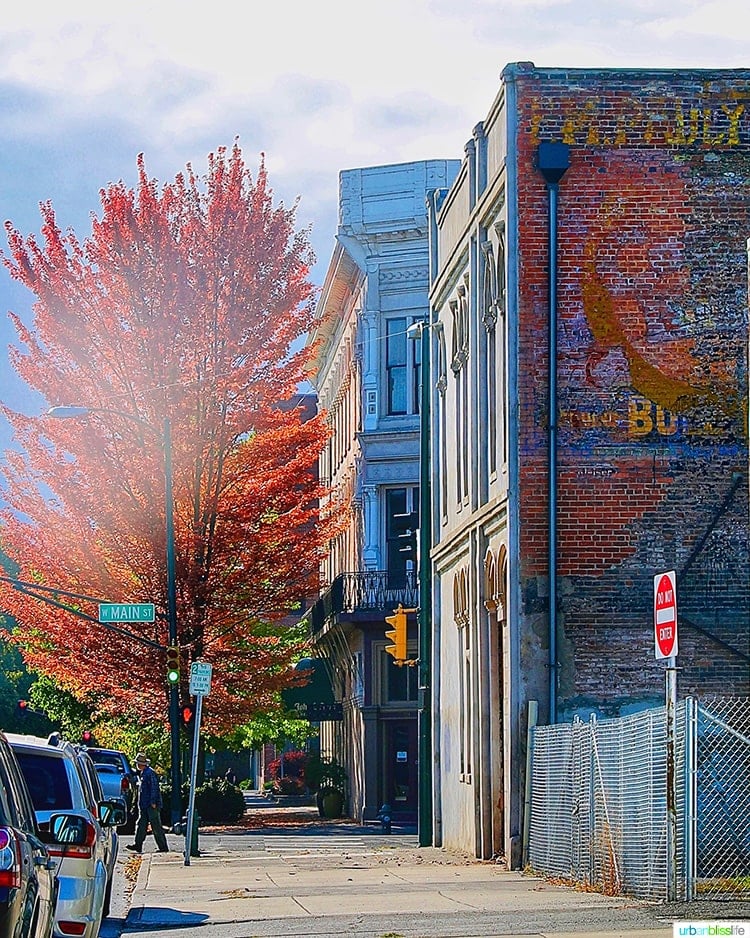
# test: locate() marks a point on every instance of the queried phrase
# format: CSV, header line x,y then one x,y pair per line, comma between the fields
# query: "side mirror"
x,y
111,813
69,829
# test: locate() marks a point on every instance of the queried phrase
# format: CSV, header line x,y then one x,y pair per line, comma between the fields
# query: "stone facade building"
x,y
366,372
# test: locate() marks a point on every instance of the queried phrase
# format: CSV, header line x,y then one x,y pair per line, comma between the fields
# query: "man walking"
x,y
149,805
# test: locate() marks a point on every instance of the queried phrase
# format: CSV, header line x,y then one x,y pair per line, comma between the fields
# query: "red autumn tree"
x,y
175,323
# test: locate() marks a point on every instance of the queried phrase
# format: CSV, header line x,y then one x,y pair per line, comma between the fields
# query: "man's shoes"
x,y
133,848
163,849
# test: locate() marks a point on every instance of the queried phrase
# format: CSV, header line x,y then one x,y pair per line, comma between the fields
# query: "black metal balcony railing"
x,y
373,590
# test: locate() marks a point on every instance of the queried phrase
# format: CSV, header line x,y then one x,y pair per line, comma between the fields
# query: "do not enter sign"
x,y
665,614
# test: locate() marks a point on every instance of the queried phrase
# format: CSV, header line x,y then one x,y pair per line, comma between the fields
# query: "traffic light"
x,y
23,708
187,713
173,665
397,634
87,738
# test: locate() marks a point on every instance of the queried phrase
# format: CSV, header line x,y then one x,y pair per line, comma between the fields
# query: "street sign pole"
x,y
200,686
665,638
671,707
193,778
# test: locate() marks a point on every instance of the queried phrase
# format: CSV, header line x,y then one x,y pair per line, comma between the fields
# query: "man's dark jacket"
x,y
149,792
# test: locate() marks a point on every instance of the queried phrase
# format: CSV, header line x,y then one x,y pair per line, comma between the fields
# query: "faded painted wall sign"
x,y
663,122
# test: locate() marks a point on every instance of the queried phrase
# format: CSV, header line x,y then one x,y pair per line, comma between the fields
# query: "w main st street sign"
x,y
126,612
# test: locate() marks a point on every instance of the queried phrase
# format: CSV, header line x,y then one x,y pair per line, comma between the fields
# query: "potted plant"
x,y
328,779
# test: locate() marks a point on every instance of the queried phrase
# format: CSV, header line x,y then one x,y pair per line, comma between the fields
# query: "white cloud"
x,y
319,86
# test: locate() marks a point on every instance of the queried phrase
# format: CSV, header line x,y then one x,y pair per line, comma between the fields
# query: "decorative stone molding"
x,y
404,275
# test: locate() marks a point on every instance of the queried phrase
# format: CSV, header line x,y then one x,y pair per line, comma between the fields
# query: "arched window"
x,y
462,619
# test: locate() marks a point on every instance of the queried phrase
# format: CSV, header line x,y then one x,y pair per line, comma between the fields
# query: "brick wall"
x,y
654,213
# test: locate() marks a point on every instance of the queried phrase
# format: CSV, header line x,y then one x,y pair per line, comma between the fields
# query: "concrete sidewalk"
x,y
335,880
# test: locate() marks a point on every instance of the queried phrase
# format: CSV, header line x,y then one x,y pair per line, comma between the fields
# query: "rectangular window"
x,y
396,366
403,365
400,683
401,521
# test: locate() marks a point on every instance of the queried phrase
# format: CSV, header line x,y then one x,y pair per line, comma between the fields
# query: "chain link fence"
x,y
722,829
599,798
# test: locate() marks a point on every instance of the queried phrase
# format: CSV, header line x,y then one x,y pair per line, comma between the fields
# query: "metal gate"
x,y
721,782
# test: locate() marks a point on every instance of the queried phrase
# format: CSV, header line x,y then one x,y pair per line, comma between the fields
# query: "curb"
x,y
135,913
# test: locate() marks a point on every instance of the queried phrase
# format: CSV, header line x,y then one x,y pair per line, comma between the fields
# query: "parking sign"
x,y
200,678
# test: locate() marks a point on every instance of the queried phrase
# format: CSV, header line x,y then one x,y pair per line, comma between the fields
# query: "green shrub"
x,y
219,802
247,784
325,773
166,800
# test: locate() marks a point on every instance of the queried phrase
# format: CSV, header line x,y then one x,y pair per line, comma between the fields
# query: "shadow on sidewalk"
x,y
263,814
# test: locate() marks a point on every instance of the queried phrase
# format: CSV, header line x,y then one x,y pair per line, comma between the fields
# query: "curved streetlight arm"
x,y
63,412
71,411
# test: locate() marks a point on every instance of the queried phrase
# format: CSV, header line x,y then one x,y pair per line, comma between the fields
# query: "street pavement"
x,y
291,874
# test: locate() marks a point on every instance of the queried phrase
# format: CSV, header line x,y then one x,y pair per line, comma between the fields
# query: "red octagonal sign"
x,y
665,614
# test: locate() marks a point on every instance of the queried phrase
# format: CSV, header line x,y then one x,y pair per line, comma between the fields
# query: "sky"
x,y
317,87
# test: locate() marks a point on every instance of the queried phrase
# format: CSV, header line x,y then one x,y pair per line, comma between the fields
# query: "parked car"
x,y
128,780
62,777
112,787
28,881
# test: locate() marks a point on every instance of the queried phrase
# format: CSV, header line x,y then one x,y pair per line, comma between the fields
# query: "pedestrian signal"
x,y
397,634
173,665
188,715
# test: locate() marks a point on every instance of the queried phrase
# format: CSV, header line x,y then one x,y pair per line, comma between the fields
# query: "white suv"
x,y
62,777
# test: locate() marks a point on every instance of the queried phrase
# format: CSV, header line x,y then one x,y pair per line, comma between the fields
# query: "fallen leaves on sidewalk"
x,y
131,868
269,818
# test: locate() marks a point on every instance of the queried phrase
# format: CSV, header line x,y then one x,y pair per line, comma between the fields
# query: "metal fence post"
x,y
690,782
671,702
533,714
591,736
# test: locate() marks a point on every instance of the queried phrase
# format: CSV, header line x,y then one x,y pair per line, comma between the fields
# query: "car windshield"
x,y
46,780
103,758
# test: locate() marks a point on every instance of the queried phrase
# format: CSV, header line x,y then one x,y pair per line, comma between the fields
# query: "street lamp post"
x,y
420,332
174,689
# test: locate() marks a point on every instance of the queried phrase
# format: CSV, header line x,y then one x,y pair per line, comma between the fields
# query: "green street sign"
x,y
126,612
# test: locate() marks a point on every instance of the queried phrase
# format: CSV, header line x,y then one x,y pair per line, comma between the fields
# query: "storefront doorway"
x,y
401,768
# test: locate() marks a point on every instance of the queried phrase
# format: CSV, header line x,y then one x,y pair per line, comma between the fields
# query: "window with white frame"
x,y
403,365
401,520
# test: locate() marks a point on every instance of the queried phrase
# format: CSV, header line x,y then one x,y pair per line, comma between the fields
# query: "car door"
x,y
92,787
42,879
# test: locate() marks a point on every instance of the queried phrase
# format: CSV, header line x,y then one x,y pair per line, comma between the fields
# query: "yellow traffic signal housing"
x,y
397,634
173,664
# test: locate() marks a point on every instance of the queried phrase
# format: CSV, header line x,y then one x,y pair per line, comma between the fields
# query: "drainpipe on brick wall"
x,y
553,160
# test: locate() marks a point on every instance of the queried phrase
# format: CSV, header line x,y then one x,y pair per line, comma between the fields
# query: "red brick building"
x,y
599,222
